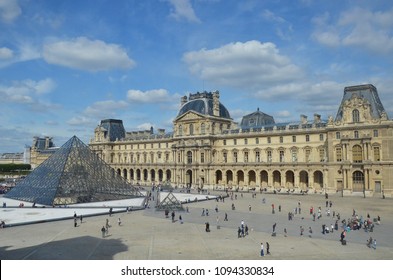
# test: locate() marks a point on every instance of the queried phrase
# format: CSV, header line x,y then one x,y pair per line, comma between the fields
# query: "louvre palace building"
x,y
351,153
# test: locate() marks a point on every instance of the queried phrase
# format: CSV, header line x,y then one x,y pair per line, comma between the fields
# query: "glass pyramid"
x,y
73,174
170,202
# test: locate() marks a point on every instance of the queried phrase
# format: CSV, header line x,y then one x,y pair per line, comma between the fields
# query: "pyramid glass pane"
x,y
74,174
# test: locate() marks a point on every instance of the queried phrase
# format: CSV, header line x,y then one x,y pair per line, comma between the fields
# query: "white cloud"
x,y
80,121
26,91
145,126
6,53
149,96
361,28
9,10
183,10
91,55
105,109
252,65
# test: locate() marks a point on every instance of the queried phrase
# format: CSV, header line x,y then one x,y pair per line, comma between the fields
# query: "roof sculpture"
x,y
74,174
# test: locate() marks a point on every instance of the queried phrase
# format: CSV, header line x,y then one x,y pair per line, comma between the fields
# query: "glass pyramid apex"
x,y
73,174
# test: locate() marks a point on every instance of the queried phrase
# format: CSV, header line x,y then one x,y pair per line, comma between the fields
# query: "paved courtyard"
x,y
148,235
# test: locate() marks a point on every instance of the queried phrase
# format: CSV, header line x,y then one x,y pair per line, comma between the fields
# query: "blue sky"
x,y
66,65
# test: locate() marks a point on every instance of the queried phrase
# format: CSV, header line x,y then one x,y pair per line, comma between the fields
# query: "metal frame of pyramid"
x,y
170,202
73,174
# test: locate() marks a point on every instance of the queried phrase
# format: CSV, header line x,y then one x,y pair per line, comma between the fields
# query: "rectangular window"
x,y
178,157
281,139
338,135
320,137
152,158
375,133
256,140
245,156
166,157
377,154
307,138
234,156
224,142
338,154
202,157
151,145
294,156
257,156
294,139
144,158
269,156
356,134
281,156
159,145
307,155
321,155
225,156
245,141
269,140
234,141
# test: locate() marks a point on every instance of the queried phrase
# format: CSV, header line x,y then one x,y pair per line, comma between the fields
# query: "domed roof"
x,y
202,103
256,120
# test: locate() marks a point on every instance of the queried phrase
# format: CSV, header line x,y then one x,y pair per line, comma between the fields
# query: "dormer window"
x,y
355,116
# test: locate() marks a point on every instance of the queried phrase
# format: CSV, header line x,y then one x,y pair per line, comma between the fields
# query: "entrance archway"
x,y
189,177
218,177
318,180
264,179
276,179
290,179
303,180
357,181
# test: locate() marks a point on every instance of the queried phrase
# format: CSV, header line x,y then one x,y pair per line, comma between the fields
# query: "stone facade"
x,y
351,154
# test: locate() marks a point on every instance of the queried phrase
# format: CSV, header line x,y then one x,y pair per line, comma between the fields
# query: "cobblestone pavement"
x,y
148,235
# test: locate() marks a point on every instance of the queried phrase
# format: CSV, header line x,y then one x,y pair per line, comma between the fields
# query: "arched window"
x,y
189,157
358,177
191,129
355,116
357,154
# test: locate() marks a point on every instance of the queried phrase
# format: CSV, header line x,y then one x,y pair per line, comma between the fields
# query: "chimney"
x,y
317,118
303,119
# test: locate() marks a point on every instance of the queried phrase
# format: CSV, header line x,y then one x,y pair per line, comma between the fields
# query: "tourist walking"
x,y
103,231
267,248
262,252
119,221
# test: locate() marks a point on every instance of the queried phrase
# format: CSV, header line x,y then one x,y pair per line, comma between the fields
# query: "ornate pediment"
x,y
190,116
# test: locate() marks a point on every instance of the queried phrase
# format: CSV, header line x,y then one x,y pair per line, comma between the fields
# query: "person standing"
x,y
75,222
226,217
374,244
267,248
262,252
81,218
119,221
180,219
103,231
173,216
274,227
